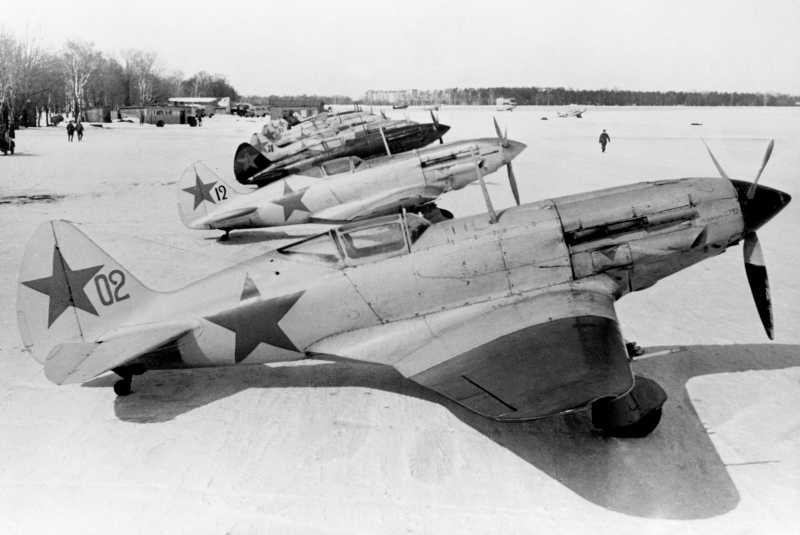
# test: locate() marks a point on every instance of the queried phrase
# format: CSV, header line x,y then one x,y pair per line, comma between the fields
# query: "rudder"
x,y
71,291
248,162
200,192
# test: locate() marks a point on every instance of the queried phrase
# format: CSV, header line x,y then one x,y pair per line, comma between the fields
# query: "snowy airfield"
x,y
346,448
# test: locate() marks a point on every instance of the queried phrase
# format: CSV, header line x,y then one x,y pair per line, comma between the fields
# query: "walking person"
x,y
79,130
604,138
141,118
70,131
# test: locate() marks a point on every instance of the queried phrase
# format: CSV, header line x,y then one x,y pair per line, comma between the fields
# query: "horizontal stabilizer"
x,y
79,362
232,214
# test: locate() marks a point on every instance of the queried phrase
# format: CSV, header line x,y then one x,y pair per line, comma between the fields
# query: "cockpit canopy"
x,y
361,242
339,166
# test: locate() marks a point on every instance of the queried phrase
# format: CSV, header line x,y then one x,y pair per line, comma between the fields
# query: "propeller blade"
x,y
435,121
383,114
497,128
752,191
716,163
513,182
759,282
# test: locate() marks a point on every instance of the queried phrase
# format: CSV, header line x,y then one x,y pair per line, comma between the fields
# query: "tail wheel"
x,y
122,387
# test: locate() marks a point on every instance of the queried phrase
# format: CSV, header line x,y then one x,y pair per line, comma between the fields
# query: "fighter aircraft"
x,y
252,167
509,314
573,113
282,134
342,190
314,141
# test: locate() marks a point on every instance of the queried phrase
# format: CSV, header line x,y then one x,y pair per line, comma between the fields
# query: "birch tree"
x,y
80,61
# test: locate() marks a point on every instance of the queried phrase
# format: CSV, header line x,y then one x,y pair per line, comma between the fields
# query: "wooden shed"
x,y
97,114
304,107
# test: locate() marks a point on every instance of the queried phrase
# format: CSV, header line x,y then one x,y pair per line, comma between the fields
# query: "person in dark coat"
x,y
79,130
6,143
70,131
604,138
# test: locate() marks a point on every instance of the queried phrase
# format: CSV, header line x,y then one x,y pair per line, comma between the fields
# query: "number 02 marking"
x,y
104,287
221,193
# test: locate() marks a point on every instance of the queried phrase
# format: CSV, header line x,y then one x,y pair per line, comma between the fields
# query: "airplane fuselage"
x,y
370,145
367,290
299,199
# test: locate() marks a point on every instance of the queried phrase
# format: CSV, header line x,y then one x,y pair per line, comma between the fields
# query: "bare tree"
x,y
146,69
20,64
80,60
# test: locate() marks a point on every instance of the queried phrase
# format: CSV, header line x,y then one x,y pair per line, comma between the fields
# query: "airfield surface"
x,y
346,448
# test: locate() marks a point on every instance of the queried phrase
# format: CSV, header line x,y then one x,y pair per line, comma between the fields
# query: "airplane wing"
x,y
80,362
386,201
526,358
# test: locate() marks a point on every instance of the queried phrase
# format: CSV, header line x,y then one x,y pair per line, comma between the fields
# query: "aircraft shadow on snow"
x,y
675,473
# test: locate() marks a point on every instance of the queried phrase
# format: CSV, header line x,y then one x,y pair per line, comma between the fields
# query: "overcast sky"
x,y
347,47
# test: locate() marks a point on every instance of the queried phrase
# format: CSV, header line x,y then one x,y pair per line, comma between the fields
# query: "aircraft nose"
x,y
512,150
765,204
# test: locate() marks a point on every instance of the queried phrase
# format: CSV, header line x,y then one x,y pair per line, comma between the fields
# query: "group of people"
x,y
72,128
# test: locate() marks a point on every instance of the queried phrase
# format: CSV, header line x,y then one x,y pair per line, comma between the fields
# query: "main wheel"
x,y
122,387
640,429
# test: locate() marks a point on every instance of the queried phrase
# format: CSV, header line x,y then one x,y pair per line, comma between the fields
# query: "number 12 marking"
x,y
221,192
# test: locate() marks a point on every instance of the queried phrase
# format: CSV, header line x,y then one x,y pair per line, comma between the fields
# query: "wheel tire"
x,y
160,124
192,121
640,429
123,387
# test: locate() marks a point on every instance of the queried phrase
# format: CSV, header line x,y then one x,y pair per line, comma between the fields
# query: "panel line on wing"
x,y
513,409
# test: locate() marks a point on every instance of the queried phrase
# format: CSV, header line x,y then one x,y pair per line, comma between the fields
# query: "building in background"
x,y
304,107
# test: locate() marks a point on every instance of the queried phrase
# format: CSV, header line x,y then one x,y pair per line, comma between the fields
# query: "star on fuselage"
x,y
255,320
291,201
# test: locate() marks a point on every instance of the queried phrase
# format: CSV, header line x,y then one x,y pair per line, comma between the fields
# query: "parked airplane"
x,y
281,150
252,167
342,190
573,113
510,316
506,104
282,135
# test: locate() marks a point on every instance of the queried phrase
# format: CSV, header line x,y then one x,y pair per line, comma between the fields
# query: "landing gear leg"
x,y
123,386
633,349
225,236
634,415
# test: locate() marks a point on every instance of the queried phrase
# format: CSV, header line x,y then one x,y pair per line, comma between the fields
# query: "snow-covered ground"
x,y
346,448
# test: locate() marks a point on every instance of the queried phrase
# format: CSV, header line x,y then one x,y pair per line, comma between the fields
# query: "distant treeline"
x,y
256,100
34,78
559,96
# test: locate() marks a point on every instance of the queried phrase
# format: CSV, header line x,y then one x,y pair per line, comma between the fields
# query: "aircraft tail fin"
x,y
248,162
201,192
71,291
